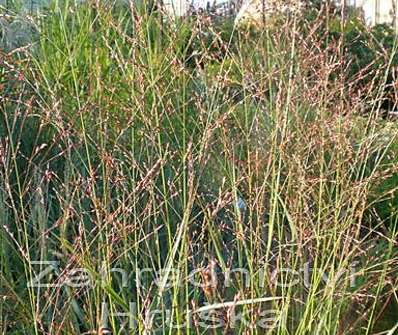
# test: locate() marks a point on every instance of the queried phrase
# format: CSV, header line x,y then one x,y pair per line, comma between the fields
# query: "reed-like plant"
x,y
155,171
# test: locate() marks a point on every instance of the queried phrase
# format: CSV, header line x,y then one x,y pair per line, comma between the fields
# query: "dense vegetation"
x,y
151,170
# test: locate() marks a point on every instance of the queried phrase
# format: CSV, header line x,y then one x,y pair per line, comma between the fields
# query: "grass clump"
x,y
157,172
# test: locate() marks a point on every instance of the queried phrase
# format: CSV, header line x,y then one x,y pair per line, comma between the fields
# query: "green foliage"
x,y
386,191
369,50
